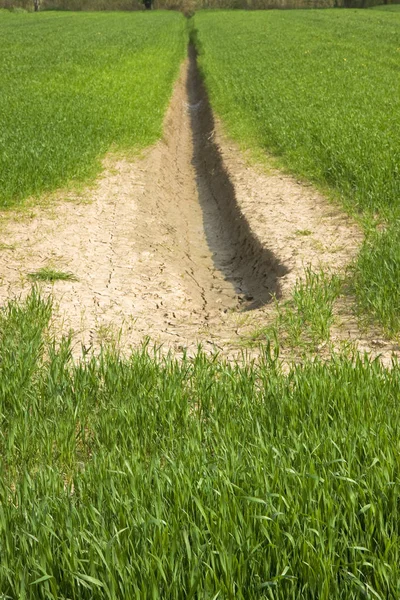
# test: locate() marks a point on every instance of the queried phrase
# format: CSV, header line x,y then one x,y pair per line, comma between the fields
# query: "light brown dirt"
x,y
187,245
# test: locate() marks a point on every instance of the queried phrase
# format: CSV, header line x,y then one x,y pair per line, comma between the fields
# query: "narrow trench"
x,y
172,247
252,269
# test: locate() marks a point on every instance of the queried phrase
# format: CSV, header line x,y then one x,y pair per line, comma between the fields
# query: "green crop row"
x,y
73,86
320,90
155,478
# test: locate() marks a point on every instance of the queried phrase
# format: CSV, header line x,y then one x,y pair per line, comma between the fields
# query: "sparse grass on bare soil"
x,y
320,90
155,478
304,322
49,274
75,85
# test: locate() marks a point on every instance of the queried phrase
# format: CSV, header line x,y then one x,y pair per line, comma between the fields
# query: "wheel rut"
x,y
187,245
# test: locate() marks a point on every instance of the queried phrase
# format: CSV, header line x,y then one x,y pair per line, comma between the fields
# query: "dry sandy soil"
x,y
187,245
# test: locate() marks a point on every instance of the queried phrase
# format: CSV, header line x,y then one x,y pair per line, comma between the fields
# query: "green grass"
x,y
304,322
377,276
319,90
155,478
74,86
49,274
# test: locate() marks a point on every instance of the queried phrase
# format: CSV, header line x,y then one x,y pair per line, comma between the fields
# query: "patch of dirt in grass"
x,y
187,245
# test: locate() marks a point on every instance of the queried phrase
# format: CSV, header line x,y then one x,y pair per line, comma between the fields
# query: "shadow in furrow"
x,y
245,262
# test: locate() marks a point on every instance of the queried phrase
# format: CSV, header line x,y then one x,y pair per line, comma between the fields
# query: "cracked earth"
x,y
187,245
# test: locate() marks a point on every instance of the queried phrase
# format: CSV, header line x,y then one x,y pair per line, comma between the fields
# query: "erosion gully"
x,y
187,245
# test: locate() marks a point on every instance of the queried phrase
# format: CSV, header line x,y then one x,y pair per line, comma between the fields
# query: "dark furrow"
x,y
242,258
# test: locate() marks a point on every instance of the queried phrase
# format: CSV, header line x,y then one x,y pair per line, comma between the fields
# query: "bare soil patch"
x,y
187,245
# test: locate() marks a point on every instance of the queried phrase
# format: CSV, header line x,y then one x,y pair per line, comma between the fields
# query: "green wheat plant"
x,y
319,89
77,85
305,320
149,477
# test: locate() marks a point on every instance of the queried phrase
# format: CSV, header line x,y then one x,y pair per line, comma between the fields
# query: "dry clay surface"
x,y
187,245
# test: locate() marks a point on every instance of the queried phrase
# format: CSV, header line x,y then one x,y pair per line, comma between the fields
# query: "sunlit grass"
x,y
148,477
49,274
377,277
75,85
304,321
319,89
